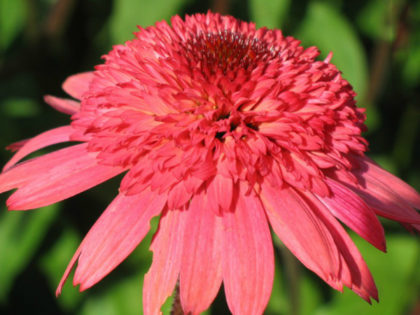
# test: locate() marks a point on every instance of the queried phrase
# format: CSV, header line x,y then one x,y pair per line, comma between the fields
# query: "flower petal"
x,y
17,145
352,211
53,136
177,196
76,85
161,278
201,268
352,264
113,237
63,105
248,258
27,171
379,194
62,181
301,231
402,189
220,193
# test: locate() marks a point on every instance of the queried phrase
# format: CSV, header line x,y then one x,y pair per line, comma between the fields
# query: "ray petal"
x,y
77,84
402,189
353,263
348,207
29,170
113,237
248,258
161,278
301,231
50,137
63,105
201,269
379,194
62,181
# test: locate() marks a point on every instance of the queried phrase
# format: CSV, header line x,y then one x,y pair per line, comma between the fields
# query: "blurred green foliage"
x,y
375,43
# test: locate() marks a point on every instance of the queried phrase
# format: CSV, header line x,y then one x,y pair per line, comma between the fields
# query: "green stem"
x,y
293,279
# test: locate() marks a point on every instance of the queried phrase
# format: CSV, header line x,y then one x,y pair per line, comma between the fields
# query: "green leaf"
x,y
271,13
21,233
123,297
373,118
20,107
329,30
408,52
127,14
55,261
406,140
310,295
12,18
278,302
396,275
378,19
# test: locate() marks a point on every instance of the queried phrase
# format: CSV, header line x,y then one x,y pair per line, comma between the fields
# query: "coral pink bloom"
x,y
223,130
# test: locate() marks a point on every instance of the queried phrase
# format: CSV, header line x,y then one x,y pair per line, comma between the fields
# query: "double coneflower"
x,y
223,130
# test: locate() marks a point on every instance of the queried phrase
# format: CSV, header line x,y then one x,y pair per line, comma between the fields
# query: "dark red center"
x,y
226,51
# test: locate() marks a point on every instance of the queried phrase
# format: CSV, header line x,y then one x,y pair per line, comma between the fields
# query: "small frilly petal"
x,y
248,258
63,105
78,84
62,181
113,237
161,278
201,268
348,207
50,137
301,230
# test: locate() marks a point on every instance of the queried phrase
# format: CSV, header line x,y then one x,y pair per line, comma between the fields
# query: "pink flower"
x,y
223,130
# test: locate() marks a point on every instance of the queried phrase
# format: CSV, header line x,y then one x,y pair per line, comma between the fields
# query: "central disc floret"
x,y
226,51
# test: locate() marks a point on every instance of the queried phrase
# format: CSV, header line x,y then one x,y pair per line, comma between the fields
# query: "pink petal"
x,y
352,211
379,194
399,187
17,145
113,237
160,280
220,192
248,258
62,181
63,105
178,196
76,85
57,135
201,270
301,230
27,171
352,263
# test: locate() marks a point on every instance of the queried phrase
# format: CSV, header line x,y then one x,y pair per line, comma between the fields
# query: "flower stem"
x,y
293,280
176,305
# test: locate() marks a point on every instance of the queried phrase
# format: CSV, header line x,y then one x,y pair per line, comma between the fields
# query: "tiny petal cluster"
x,y
224,130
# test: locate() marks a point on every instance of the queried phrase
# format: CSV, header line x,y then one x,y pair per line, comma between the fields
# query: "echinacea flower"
x,y
223,130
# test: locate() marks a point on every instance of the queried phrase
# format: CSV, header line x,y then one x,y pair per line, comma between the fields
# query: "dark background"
x,y
376,43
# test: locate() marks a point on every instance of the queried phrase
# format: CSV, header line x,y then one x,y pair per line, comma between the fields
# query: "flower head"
x,y
223,130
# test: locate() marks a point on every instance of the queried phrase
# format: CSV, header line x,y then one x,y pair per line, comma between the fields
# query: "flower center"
x,y
216,79
226,51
